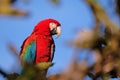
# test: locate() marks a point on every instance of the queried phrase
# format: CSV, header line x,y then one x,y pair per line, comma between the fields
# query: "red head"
x,y
47,27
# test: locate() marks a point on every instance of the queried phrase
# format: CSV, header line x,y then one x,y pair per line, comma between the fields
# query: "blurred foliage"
x,y
12,1
34,72
105,46
7,8
118,7
55,2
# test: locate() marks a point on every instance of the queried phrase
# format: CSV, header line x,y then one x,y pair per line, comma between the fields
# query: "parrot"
x,y
39,46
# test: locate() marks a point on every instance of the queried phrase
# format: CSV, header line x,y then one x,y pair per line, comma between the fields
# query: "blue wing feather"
x,y
29,55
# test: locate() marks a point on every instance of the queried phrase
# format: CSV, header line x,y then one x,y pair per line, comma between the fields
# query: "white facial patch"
x,y
52,25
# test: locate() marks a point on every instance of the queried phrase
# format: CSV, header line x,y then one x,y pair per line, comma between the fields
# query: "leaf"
x,y
44,65
55,1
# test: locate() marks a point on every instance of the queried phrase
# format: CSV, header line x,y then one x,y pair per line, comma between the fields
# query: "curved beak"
x,y
58,31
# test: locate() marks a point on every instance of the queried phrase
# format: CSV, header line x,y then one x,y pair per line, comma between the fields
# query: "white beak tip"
x,y
58,31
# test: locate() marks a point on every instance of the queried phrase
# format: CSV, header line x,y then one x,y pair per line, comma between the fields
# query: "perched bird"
x,y
39,46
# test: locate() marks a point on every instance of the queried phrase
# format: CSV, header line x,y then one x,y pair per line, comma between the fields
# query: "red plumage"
x,y
43,40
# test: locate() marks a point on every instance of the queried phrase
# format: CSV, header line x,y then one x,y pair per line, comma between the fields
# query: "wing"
x,y
28,50
52,51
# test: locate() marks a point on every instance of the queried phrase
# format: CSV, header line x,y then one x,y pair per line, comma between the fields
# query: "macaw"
x,y
39,46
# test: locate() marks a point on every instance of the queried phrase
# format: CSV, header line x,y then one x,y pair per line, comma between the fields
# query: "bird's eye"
x,y
53,25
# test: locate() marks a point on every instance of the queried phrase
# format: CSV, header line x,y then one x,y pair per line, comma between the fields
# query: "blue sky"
x,y
72,15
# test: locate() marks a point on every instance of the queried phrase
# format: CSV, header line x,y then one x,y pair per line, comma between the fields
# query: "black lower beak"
x,y
54,31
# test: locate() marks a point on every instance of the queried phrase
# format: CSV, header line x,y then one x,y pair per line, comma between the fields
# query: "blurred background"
x,y
78,20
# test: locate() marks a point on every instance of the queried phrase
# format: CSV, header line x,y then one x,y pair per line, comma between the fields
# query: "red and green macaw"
x,y
39,46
